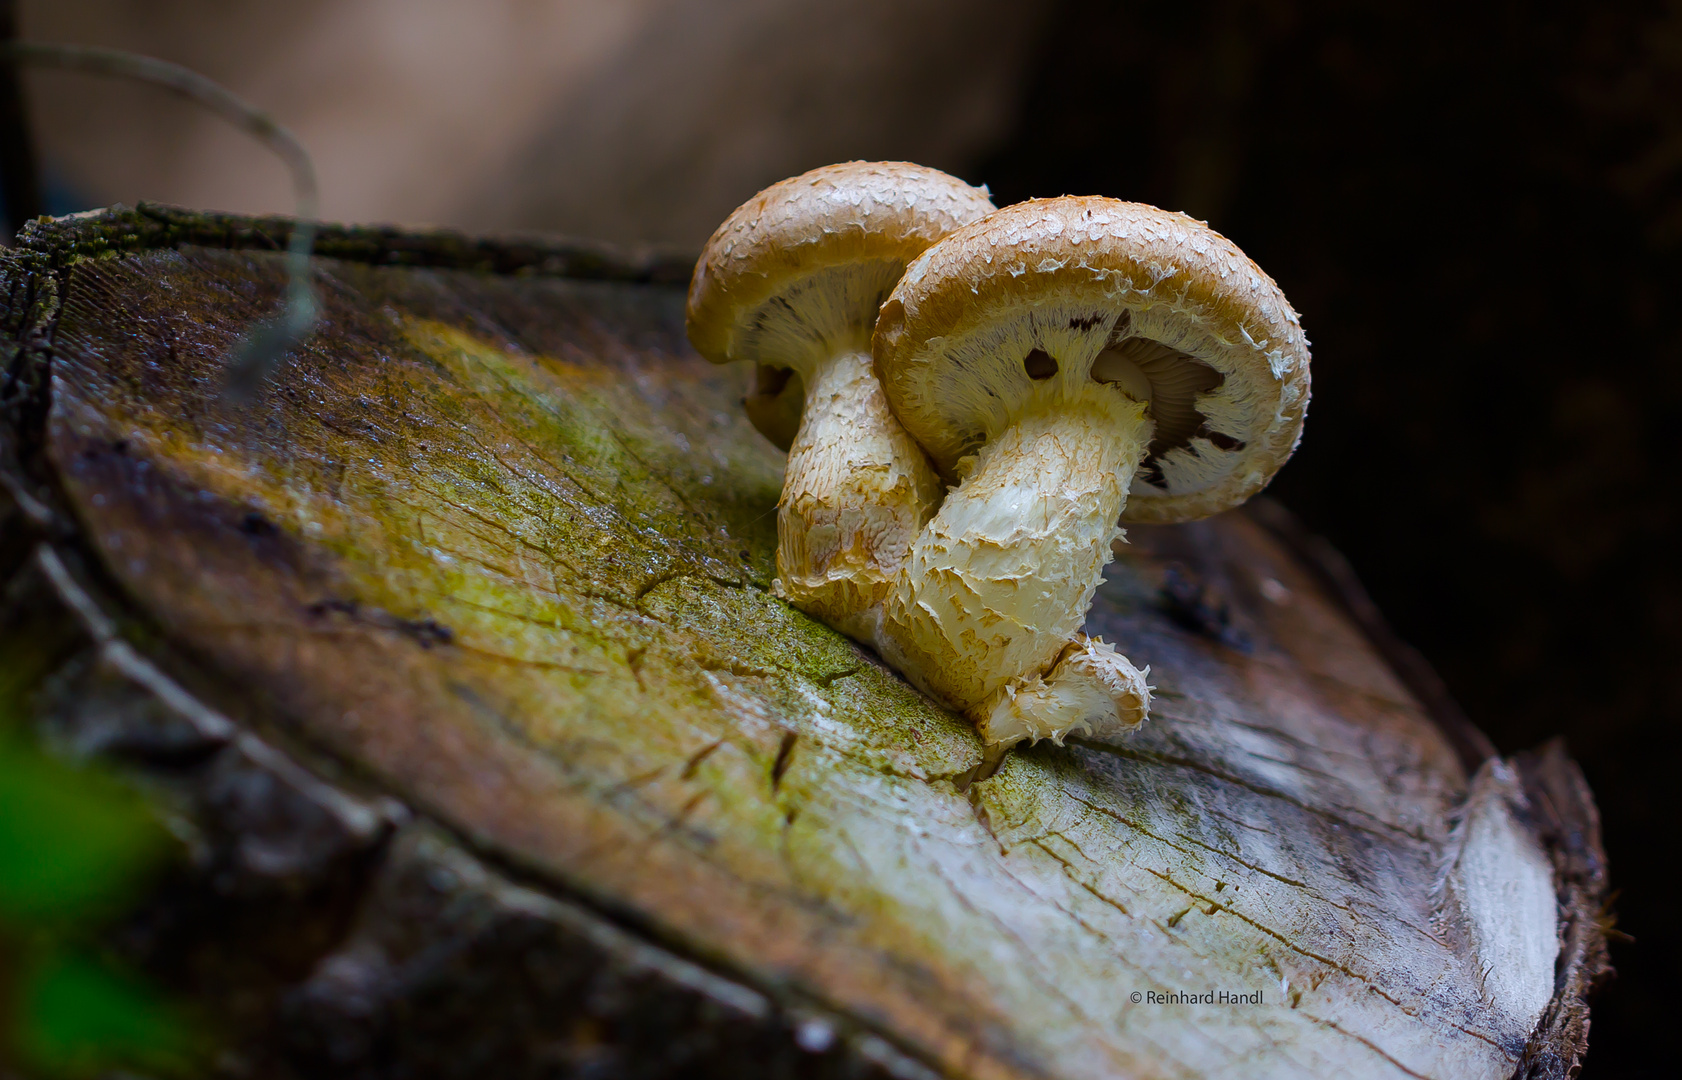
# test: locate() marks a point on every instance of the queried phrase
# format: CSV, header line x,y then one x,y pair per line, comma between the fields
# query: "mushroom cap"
x,y
805,264
1011,311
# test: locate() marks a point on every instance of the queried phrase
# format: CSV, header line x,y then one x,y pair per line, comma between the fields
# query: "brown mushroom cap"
x,y
803,266
1045,295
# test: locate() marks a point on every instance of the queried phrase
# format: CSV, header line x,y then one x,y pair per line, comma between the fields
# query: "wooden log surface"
x,y
484,580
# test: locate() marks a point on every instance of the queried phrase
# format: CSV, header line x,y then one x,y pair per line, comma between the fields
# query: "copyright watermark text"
x,y
1196,997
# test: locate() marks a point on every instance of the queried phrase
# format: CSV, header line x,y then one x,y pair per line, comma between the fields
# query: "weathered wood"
x,y
495,552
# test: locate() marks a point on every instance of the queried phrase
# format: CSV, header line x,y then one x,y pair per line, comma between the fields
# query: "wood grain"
x,y
501,547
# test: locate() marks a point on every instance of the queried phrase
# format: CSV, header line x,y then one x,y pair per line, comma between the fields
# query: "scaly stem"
x,y
999,582
856,490
1090,688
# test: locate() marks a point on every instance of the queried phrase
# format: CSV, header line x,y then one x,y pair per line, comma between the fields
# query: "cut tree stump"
x,y
454,657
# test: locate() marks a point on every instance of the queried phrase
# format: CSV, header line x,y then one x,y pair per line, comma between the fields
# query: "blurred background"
x,y
1477,208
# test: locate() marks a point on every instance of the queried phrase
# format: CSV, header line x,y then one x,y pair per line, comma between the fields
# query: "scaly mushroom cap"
x,y
803,266
1036,299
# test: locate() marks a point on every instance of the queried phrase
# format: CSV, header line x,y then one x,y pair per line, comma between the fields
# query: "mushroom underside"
x,y
1169,379
827,311
1174,381
774,401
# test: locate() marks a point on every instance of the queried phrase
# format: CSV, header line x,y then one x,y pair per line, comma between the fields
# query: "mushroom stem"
x,y
997,585
1091,688
857,489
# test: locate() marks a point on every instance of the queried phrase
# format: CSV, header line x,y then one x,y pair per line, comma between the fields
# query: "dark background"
x,y
1476,207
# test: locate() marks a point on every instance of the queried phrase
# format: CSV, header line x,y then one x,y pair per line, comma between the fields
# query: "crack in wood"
x,y
785,757
1384,827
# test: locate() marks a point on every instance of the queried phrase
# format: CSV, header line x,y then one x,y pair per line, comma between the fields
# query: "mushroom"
x,y
792,281
1074,362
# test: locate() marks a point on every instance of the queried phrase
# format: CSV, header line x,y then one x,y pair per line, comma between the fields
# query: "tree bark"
x,y
455,656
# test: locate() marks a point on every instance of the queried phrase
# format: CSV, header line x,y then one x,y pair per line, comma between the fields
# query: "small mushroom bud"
x,y
1075,362
792,281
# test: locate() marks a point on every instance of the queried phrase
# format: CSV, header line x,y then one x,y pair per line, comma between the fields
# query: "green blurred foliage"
x,y
73,842
76,846
76,1017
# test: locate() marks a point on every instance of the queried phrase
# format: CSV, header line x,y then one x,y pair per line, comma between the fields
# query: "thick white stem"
x,y
856,491
999,582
